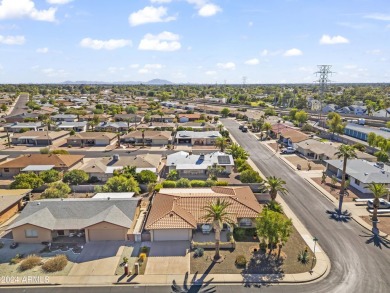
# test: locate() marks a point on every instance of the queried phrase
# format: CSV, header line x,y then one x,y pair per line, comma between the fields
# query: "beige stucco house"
x,y
94,219
92,139
148,137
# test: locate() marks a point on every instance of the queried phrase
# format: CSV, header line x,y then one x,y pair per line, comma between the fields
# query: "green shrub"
x,y
240,261
221,183
169,184
303,256
1,245
17,259
144,249
55,264
125,259
44,151
199,252
183,183
30,262
274,206
157,187
239,234
209,183
197,183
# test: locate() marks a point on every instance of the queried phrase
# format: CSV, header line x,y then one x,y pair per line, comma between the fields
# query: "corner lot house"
x,y
39,162
176,213
94,219
360,173
151,137
11,202
92,139
196,166
197,138
39,138
103,168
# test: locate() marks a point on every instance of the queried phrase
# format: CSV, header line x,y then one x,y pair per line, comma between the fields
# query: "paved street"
x,y
356,266
20,105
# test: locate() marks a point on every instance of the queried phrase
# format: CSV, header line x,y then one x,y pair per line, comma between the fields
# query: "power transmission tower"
x,y
323,74
244,81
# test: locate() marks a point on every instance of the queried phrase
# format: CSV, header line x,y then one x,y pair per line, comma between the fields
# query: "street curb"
x,y
323,193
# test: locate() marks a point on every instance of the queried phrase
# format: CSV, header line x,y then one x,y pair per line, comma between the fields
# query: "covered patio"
x,y
198,236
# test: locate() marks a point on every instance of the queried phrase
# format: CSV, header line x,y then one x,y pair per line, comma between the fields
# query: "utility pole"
x,y
323,74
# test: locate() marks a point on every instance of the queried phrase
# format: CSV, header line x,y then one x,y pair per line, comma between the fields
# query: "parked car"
x,y
244,129
240,127
383,204
14,245
288,150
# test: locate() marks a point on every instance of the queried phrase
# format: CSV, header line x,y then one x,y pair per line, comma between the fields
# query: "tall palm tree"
x,y
346,152
379,190
221,143
267,128
276,185
217,214
143,137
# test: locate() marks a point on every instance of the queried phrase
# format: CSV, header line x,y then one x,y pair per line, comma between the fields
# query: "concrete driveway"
x,y
168,257
98,258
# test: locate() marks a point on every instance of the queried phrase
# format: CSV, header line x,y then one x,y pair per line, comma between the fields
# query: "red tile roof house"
x,y
177,214
188,117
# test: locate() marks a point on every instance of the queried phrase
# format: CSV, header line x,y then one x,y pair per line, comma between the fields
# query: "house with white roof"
x,y
197,138
194,166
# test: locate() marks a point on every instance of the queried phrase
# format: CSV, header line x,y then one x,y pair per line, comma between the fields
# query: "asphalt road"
x,y
20,105
356,266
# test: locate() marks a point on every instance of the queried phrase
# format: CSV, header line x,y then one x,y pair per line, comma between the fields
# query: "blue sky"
x,y
202,41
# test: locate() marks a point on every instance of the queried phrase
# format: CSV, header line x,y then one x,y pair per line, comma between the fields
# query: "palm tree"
x,y
276,185
267,127
217,214
379,190
346,152
221,143
143,137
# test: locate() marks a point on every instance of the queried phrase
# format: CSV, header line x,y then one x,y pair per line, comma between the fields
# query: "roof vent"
x,y
108,198
38,203
365,174
171,215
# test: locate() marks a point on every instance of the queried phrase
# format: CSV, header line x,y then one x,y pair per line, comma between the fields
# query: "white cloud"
x,y
10,9
150,14
165,41
150,68
328,40
51,72
374,52
161,1
42,50
12,40
378,16
106,45
227,65
264,52
253,61
350,66
293,52
205,7
211,72
209,10
58,2
134,66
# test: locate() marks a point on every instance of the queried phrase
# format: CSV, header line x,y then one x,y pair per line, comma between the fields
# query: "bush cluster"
x,y
30,262
240,260
55,264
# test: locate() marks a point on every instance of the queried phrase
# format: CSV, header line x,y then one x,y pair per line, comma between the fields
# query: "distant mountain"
x,y
150,82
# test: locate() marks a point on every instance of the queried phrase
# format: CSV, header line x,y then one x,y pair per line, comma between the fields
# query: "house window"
x,y
6,169
246,222
357,182
30,233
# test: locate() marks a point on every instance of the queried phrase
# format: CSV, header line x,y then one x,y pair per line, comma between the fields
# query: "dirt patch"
x,y
232,178
257,262
37,196
295,160
383,225
335,189
273,145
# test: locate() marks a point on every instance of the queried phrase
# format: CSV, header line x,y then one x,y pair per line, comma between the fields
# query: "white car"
x,y
288,150
383,204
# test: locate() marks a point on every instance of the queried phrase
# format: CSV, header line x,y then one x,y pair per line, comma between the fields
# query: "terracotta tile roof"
x,y
293,135
59,161
151,134
42,134
183,208
190,116
93,135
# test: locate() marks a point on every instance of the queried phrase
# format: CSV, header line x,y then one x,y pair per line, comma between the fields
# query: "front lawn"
x,y
257,262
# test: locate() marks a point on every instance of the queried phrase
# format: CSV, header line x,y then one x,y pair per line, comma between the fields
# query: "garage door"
x,y
105,234
171,234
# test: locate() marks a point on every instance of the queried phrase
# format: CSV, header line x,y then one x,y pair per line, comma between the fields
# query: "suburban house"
x,y
361,132
75,126
358,109
38,163
64,118
149,137
157,126
197,138
360,173
128,117
19,126
290,137
103,168
384,113
313,104
11,201
92,139
194,166
39,138
93,219
317,150
163,118
119,126
188,117
21,117
177,213
329,108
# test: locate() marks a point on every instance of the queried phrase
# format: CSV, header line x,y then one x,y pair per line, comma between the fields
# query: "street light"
x,y
315,239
